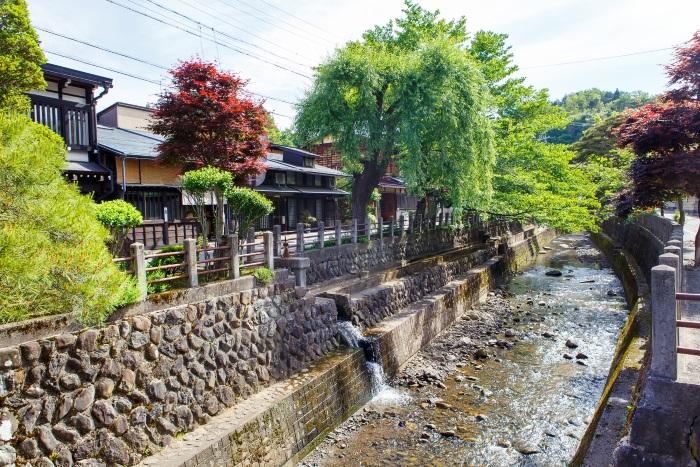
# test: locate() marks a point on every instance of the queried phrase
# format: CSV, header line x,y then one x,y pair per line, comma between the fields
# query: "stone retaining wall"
x,y
331,262
372,305
645,237
123,391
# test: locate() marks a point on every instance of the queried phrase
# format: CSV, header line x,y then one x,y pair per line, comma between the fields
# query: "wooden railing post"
x,y
338,234
234,264
300,238
663,317
277,240
191,262
321,234
138,265
267,247
353,231
166,233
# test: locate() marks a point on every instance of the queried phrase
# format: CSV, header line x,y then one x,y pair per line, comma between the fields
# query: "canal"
x,y
514,382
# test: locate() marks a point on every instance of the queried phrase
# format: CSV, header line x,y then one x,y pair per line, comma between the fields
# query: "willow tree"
x,y
408,92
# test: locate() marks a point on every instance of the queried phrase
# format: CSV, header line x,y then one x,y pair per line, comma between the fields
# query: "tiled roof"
x,y
130,143
76,75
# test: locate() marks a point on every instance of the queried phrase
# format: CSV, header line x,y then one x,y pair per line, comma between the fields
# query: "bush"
x,y
264,275
198,184
118,216
53,257
248,205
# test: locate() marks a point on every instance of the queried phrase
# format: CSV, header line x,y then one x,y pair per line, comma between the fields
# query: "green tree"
x,y
53,257
202,183
118,217
284,137
248,206
534,180
20,56
408,92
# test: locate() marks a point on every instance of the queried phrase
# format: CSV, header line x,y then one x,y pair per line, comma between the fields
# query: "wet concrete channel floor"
x,y
527,403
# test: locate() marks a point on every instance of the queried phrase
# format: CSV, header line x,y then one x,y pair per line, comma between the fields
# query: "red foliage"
x,y
208,120
665,136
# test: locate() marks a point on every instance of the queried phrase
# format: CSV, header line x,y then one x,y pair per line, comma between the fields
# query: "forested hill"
x,y
591,105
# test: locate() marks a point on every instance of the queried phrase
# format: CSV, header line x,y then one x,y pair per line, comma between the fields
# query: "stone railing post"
x,y
440,217
191,262
353,231
300,238
663,316
678,265
411,222
433,223
250,240
338,234
392,226
402,226
277,240
138,266
299,266
321,234
368,229
267,248
380,226
419,223
235,263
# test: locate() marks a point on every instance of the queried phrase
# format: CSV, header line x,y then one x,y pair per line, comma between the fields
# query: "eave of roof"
x,y
76,75
297,151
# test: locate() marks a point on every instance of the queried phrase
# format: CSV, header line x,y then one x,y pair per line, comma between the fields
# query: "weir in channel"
x,y
517,383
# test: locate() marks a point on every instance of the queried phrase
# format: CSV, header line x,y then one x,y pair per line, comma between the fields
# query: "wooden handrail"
x,y
687,351
694,297
165,266
688,324
213,260
160,255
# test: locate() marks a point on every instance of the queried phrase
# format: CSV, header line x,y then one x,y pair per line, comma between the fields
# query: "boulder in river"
x,y
524,447
572,344
553,273
581,356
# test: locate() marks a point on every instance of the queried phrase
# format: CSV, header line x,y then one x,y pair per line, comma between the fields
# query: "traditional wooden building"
x,y
67,106
300,189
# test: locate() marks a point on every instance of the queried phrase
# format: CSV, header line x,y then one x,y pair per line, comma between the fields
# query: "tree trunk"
x,y
218,217
681,211
363,185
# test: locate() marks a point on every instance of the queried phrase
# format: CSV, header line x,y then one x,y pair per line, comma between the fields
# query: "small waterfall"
x,y
382,393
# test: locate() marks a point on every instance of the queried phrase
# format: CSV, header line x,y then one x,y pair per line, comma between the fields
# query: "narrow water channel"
x,y
501,387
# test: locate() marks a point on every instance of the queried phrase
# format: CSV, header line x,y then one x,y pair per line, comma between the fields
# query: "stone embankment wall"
x,y
374,304
123,391
645,237
331,262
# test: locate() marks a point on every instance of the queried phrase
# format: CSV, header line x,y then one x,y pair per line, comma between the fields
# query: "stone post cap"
x,y
668,255
663,267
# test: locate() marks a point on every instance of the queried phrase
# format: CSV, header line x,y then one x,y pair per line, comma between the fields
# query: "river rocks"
x,y
524,447
481,354
510,333
567,356
548,334
581,356
571,343
553,273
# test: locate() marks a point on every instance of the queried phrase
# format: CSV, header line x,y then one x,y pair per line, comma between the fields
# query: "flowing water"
x,y
524,406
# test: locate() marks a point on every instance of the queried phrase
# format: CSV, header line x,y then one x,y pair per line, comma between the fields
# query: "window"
x,y
317,181
280,178
291,178
331,182
309,162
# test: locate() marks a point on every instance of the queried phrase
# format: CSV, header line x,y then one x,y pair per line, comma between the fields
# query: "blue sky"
x,y
542,33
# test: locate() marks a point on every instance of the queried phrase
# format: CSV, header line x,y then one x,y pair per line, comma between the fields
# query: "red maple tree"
x,y
665,136
207,119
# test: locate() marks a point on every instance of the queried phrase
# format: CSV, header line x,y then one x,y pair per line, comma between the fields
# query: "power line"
x,y
200,24
140,60
131,75
242,29
295,16
266,20
595,59
242,52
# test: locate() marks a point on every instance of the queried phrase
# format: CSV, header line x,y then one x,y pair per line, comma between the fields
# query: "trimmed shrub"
x,y
53,257
248,205
118,216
